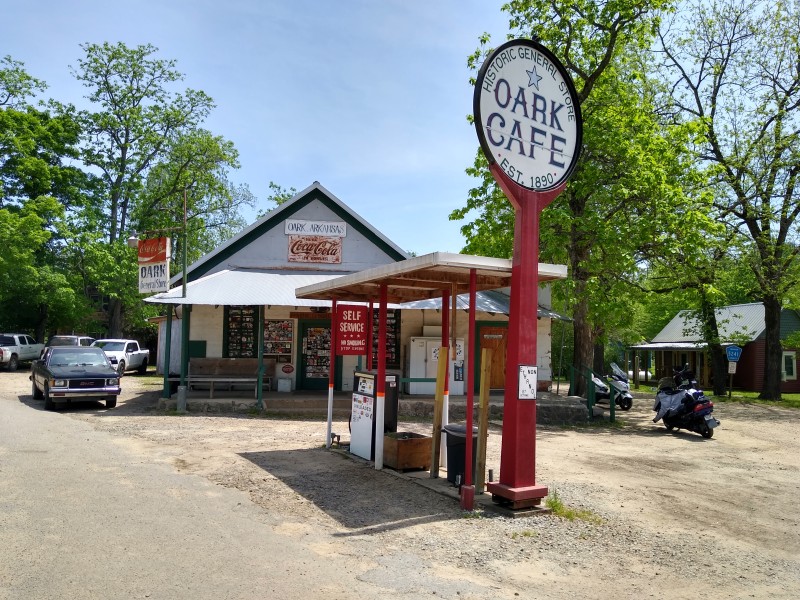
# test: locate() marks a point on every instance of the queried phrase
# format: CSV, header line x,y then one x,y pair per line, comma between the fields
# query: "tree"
x,y
146,142
16,85
622,181
735,67
39,184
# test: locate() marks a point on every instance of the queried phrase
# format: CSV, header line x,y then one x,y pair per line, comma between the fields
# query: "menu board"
x,y
278,336
392,337
242,329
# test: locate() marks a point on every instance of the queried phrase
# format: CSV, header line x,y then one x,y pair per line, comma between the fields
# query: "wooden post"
x,y
438,409
483,420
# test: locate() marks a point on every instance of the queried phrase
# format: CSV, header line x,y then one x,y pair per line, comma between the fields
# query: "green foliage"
x,y
629,177
16,85
277,195
72,183
559,509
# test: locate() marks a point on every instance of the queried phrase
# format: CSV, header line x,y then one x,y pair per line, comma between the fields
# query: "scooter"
x,y
618,380
680,404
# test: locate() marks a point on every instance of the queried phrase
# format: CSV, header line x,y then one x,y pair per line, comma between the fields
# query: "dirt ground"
x,y
668,514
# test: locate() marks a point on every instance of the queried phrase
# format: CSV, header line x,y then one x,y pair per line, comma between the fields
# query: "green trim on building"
x,y
290,210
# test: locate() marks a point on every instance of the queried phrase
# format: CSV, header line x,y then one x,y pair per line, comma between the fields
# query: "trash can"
x,y
457,450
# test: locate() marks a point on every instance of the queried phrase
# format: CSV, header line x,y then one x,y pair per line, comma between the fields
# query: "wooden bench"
x,y
232,371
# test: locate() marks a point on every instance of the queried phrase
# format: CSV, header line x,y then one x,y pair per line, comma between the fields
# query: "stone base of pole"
x,y
181,404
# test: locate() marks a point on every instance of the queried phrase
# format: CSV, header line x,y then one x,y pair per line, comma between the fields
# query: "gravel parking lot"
x,y
668,514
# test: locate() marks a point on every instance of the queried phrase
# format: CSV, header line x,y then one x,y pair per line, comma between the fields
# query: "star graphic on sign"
x,y
534,78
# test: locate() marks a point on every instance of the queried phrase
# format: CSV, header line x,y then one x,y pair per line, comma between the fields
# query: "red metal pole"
x,y
446,342
518,452
380,388
369,337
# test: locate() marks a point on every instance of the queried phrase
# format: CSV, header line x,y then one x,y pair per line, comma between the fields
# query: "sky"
x,y
368,97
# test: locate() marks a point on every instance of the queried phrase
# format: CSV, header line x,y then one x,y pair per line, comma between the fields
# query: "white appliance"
x,y
423,362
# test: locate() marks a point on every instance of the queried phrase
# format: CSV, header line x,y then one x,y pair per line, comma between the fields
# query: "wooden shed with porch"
x,y
679,343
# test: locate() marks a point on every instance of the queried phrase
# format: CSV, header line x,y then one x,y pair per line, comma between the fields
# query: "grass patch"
x,y
786,401
558,508
527,533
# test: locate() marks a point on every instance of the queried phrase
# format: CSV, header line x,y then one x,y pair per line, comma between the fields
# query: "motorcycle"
x,y
680,404
618,380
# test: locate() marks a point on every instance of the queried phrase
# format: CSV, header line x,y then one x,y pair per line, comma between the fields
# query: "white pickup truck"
x,y
16,348
125,355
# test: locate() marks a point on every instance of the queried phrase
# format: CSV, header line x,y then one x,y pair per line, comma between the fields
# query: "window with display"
x,y
242,328
278,337
392,337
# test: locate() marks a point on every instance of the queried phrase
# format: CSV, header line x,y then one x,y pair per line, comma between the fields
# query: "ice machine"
x,y
362,415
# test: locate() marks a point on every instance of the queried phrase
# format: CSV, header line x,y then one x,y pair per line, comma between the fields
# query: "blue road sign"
x,y
734,353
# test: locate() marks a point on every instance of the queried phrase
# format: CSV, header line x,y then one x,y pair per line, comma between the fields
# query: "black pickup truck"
x,y
67,373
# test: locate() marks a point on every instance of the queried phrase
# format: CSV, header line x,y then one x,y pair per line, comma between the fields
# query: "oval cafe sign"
x,y
528,121
527,115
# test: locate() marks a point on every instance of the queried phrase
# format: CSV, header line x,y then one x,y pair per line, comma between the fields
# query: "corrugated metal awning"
x,y
248,287
424,277
671,346
489,301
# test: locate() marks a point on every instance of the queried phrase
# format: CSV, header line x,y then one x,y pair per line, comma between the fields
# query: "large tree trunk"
x,y
599,359
583,350
773,359
708,319
114,317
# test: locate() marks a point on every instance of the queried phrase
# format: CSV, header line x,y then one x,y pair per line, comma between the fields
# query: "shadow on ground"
x,y
353,493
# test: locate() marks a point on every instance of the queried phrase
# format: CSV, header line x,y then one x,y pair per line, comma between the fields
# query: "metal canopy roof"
x,y
423,277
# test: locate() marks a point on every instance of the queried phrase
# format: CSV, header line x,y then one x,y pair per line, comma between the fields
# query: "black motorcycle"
x,y
680,404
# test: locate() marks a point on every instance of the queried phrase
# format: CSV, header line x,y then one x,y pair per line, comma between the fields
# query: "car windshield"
x,y
7,340
63,340
84,358
110,346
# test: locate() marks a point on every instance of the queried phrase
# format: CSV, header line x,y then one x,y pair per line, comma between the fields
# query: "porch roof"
x,y
423,277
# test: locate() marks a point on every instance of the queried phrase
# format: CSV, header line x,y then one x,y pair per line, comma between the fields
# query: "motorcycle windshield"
x,y
617,371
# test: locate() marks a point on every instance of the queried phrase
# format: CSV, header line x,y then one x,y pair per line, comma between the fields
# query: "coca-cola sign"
x,y
154,250
315,249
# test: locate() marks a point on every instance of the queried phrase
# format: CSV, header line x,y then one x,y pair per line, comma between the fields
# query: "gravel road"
x,y
667,515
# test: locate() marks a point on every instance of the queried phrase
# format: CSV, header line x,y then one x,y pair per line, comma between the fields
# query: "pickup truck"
x,y
125,355
67,373
16,348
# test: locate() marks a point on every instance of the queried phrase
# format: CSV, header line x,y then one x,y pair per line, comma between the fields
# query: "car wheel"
x,y
13,363
121,368
36,392
142,370
111,402
48,402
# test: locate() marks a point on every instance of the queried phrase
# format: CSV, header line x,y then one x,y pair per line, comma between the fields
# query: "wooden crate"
x,y
404,451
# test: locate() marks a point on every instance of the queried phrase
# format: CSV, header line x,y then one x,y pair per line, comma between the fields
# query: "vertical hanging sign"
x,y
154,255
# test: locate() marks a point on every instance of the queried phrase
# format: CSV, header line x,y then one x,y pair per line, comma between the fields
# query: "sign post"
x,y
528,121
734,353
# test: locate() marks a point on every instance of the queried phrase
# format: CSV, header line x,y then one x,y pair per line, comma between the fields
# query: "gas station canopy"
x,y
423,277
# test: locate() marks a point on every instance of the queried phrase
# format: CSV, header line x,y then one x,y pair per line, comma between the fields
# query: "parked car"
x,y
67,373
70,340
16,348
125,355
